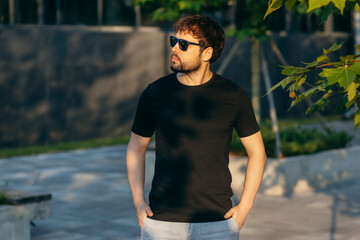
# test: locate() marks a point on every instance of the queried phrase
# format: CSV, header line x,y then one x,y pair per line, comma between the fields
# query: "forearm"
x,y
253,177
135,162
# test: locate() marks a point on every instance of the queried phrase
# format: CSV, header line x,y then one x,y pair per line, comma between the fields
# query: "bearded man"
x,y
193,113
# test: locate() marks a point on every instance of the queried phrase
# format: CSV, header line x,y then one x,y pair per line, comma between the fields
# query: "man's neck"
x,y
196,78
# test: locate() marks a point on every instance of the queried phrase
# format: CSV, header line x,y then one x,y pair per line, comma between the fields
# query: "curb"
x,y
301,173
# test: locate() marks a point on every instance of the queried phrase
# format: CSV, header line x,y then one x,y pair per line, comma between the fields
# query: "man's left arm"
x,y
255,149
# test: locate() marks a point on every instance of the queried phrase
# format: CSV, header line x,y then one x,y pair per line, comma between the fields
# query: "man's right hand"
x,y
143,211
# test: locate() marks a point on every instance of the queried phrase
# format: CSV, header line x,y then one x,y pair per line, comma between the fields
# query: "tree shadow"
x,y
345,202
332,173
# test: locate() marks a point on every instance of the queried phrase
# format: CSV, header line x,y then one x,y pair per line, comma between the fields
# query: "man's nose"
x,y
175,48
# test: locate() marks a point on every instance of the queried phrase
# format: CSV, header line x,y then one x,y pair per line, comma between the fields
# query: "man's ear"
x,y
207,54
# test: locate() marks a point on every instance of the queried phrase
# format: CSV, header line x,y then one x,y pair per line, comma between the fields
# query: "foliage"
x,y
249,22
173,9
296,140
325,6
335,77
305,141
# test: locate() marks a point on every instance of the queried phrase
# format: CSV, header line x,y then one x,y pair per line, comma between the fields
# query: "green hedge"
x,y
296,140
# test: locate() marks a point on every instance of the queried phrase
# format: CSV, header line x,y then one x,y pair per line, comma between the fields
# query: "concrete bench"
x,y
20,209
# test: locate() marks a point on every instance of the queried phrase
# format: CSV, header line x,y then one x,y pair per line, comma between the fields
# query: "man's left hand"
x,y
239,214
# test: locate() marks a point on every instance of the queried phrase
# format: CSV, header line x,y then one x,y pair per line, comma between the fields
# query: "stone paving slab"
x,y
92,201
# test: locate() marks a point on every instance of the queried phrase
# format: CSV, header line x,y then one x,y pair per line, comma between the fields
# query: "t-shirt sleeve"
x,y
144,124
245,123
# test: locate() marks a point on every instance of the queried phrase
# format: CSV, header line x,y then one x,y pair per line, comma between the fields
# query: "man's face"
x,y
186,61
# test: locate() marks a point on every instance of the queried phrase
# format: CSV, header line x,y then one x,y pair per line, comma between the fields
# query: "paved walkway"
x,y
92,201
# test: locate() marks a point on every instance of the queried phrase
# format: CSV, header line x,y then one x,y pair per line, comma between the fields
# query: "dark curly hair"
x,y
207,31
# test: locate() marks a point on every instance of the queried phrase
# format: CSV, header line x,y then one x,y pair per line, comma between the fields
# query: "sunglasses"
x,y
183,44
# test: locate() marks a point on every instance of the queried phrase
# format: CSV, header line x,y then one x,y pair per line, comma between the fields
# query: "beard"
x,y
180,67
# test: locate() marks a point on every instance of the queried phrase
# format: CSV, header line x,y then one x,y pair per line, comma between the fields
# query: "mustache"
x,y
175,55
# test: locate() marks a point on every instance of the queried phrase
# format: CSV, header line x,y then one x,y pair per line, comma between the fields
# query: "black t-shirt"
x,y
193,128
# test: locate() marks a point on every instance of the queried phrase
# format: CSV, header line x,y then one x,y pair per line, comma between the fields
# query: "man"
x,y
193,113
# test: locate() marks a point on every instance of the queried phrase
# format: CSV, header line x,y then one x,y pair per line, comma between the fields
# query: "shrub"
x,y
296,141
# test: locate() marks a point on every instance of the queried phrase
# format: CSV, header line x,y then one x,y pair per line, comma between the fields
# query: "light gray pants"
x,y
162,230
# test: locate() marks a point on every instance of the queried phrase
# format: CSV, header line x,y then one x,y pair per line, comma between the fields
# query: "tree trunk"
x,y
329,24
137,17
11,12
273,115
100,12
255,77
40,12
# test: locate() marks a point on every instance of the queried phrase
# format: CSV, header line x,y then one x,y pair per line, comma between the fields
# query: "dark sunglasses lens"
x,y
183,44
173,41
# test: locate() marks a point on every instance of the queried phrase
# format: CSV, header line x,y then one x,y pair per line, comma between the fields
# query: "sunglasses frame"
x,y
181,46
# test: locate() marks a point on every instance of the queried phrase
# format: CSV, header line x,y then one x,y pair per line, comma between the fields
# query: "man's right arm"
x,y
135,163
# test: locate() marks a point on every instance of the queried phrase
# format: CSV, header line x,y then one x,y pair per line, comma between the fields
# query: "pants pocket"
x,y
234,225
144,222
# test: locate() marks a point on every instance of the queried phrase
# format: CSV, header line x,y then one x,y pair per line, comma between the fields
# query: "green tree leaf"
x,y
273,6
336,46
287,80
350,103
314,4
311,91
306,94
323,58
311,64
302,80
348,59
329,73
346,77
293,87
341,75
357,8
319,104
351,90
355,68
358,47
357,119
275,87
290,70
283,83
